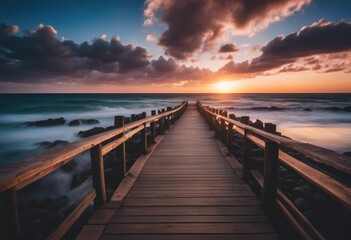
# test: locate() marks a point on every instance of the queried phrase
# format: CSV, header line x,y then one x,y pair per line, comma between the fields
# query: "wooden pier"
x,y
186,190
187,184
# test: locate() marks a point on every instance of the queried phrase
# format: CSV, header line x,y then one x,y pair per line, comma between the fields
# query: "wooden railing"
x,y
272,144
17,176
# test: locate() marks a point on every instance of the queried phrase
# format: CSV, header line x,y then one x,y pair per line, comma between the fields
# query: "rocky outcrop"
x,y
53,144
77,122
48,123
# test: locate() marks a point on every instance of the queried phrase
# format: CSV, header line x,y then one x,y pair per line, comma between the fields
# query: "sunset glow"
x,y
223,87
141,47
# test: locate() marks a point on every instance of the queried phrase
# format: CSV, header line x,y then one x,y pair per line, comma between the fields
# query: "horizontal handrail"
x,y
317,154
272,144
14,174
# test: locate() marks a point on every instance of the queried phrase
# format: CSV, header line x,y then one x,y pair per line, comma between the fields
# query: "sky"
x,y
175,46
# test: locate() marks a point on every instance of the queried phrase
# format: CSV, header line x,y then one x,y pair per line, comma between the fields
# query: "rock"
x,y
273,108
302,192
301,204
79,178
307,109
69,167
347,109
334,109
347,154
78,122
53,144
93,131
48,123
258,124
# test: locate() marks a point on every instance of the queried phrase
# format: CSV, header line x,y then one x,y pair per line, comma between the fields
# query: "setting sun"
x,y
223,87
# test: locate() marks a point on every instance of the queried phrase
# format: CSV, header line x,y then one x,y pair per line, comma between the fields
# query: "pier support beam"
x,y
120,152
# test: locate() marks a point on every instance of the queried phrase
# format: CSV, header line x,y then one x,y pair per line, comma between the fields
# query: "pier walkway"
x,y
185,190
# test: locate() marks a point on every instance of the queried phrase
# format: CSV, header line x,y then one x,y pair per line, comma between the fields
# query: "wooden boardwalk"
x,y
186,190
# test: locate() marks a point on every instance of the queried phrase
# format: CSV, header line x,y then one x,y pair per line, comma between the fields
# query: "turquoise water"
x,y
326,124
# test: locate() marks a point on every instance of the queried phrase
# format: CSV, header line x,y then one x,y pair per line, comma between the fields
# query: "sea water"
x,y
319,119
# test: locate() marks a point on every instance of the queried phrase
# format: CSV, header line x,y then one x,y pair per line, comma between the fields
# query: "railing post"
x,y
168,119
10,226
143,139
97,167
213,124
246,149
270,182
121,168
230,132
223,127
162,125
153,127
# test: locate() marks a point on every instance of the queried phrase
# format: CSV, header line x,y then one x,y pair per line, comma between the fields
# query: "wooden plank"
x,y
214,201
335,189
264,236
72,217
324,156
101,216
192,228
189,219
208,211
91,232
133,173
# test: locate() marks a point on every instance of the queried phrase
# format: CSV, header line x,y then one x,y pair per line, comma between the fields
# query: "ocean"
x,y
320,119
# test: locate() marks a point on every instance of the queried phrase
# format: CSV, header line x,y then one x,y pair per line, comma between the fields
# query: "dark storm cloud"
x,y
39,56
163,65
319,38
40,53
228,47
196,25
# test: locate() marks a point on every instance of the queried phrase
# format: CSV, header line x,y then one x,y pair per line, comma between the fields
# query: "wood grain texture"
x,y
187,189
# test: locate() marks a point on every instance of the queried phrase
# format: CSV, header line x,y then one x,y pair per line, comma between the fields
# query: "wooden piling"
x,y
153,127
97,167
271,166
143,136
246,149
121,167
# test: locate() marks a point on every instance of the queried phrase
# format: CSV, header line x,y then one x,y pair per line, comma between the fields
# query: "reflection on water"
x,y
331,137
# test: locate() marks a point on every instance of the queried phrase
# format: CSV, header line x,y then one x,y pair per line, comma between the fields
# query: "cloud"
x,y
40,53
321,37
39,56
151,38
228,47
203,23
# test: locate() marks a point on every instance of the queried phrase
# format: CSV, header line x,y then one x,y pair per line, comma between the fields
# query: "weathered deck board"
x,y
187,190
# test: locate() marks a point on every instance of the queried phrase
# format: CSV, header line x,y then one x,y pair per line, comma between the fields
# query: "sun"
x,y
223,87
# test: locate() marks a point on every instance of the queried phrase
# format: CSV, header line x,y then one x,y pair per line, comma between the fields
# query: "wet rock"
x,y
347,109
258,124
307,109
303,192
301,204
48,123
53,144
93,131
80,177
69,167
347,154
78,122
334,109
